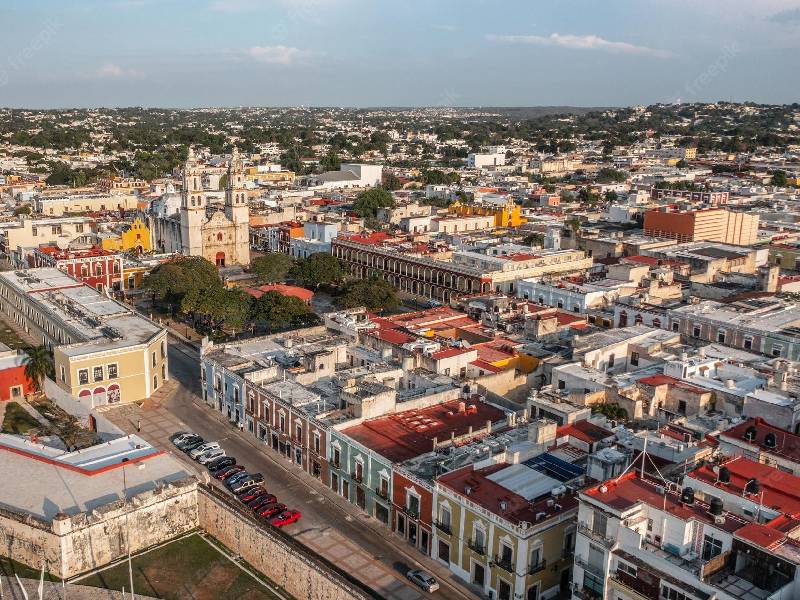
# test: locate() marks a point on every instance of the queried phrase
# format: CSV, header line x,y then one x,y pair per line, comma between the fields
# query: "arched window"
x,y
219,237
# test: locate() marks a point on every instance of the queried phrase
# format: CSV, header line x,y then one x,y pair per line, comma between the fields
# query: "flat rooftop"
x,y
44,481
99,322
405,435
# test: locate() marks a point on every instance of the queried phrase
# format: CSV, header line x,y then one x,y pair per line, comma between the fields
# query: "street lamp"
x,y
127,528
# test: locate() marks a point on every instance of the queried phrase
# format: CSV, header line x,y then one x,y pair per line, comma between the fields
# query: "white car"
x,y
203,449
210,455
424,580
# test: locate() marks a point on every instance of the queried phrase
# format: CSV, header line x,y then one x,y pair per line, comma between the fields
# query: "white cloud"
x,y
579,42
278,55
113,71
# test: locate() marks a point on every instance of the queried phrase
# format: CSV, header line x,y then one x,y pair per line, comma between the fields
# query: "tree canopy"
x,y
275,311
38,365
217,306
318,269
272,268
373,292
368,202
170,281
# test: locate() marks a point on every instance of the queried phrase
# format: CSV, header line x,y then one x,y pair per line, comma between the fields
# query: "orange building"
x,y
711,224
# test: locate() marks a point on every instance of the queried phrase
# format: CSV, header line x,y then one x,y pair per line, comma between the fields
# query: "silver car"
x,y
203,449
423,579
210,455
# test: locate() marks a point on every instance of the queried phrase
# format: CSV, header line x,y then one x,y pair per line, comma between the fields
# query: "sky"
x,y
196,53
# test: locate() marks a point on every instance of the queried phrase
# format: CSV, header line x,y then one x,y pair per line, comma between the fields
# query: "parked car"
x,y
423,579
181,436
264,501
221,463
287,517
188,443
194,453
246,483
209,455
235,478
228,471
252,493
268,511
259,498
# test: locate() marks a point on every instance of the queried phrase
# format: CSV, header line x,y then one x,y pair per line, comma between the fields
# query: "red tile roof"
x,y
287,290
788,444
405,435
657,380
450,353
585,431
393,336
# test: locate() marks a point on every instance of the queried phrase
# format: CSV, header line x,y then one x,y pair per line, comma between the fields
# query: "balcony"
x,y
412,513
567,553
538,567
586,530
504,563
382,492
357,477
582,593
634,587
336,464
443,527
476,547
596,571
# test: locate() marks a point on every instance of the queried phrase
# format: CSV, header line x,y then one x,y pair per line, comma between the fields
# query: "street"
x,y
331,526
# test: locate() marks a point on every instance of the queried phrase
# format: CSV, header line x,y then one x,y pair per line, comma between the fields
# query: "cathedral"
x,y
221,237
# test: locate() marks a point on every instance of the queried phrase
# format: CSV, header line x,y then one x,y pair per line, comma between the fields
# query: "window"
x,y
444,516
599,523
98,269
164,372
337,457
748,342
155,382
56,229
83,376
721,336
635,359
562,384
711,547
676,327
154,359
611,361
316,442
412,503
359,473
593,583
682,407
282,423
626,568
669,593
79,228
777,350
696,331
98,373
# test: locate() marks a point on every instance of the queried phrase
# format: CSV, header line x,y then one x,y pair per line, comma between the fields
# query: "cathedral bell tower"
x,y
237,209
193,209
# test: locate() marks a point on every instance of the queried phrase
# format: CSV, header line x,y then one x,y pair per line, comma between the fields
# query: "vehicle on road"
x,y
247,482
423,579
259,499
233,479
203,448
264,501
252,493
268,511
180,436
189,443
208,456
287,517
228,471
221,463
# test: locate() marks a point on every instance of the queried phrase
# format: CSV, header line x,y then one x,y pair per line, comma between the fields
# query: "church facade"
x,y
219,236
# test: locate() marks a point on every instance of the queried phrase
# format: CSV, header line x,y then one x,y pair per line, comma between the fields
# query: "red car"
x,y
227,472
262,502
270,510
287,517
252,494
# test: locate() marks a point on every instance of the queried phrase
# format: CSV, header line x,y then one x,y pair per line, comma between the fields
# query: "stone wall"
x,y
75,544
301,572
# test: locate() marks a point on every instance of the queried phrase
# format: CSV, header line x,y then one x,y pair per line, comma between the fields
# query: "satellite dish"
x,y
62,242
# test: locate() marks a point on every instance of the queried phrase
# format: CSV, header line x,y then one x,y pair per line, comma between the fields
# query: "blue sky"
x,y
57,53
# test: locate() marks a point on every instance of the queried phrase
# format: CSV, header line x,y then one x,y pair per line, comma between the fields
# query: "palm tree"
x,y
38,365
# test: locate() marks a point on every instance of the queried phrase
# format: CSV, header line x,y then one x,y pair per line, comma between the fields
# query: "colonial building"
x,y
220,237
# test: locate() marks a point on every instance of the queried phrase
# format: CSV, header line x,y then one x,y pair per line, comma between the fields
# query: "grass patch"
x,y
9,337
18,420
189,568
10,567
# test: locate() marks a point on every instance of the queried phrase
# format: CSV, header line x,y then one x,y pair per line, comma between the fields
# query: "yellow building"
x,y
506,528
254,174
130,237
103,352
505,215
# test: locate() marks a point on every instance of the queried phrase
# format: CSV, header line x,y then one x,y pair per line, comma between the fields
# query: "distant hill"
x,y
532,112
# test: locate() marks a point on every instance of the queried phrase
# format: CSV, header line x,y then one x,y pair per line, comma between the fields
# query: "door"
x,y
478,574
504,590
361,498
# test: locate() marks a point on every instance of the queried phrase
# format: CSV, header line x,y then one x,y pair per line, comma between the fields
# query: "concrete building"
x,y
97,268
712,224
486,160
221,237
103,352
17,238
456,224
56,204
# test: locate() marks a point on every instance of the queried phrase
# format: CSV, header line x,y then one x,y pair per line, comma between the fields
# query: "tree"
x,y
607,175
611,411
588,196
318,269
373,293
38,365
170,281
391,182
217,306
272,267
331,161
610,196
276,311
533,239
368,202
779,179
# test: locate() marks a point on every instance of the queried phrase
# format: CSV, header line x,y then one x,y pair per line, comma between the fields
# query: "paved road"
x,y
331,526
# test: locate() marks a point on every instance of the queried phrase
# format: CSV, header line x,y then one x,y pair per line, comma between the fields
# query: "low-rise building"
x,y
96,267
